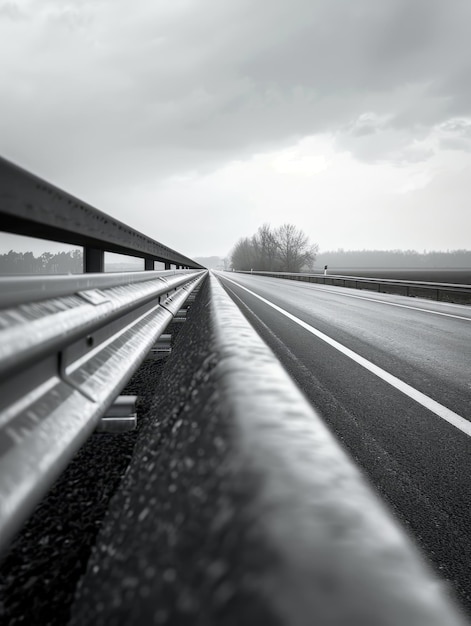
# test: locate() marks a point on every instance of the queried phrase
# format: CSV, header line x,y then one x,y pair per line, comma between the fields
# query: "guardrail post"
x,y
93,260
149,264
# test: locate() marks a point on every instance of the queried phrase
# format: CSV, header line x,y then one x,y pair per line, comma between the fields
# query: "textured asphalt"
x,y
417,462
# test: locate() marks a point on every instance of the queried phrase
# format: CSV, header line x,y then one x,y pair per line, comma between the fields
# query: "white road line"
x,y
435,407
402,306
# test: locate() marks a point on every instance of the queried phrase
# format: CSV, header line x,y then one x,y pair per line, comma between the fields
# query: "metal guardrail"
x,y
267,519
69,344
449,292
63,361
31,206
16,290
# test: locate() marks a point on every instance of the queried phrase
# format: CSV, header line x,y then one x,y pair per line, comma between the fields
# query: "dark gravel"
x,y
39,574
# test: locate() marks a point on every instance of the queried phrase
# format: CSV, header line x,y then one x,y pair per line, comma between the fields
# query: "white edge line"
x,y
432,405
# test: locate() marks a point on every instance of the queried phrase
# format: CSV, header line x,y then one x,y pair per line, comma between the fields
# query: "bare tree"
x,y
294,250
285,249
266,248
243,255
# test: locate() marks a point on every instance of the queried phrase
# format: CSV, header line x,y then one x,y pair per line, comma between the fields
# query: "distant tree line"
x,y
48,263
283,249
407,259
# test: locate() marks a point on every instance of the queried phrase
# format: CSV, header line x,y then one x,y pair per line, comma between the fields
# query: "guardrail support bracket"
x,y
180,317
162,347
121,417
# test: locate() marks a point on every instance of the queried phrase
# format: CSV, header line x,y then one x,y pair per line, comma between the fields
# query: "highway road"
x,y
391,377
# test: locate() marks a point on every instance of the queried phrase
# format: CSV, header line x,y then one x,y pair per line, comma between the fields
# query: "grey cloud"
x,y
374,139
70,18
460,127
384,144
206,82
11,11
455,143
456,135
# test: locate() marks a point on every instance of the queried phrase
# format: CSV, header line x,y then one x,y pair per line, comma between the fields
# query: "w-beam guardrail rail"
x,y
63,361
448,292
69,344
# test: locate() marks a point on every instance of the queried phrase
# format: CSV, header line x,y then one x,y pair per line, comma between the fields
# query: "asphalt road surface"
x,y
391,377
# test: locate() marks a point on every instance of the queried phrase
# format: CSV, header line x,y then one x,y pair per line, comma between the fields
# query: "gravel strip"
x,y
39,574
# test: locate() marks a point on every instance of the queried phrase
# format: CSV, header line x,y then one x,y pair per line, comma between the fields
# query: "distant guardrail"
x,y
447,292
33,207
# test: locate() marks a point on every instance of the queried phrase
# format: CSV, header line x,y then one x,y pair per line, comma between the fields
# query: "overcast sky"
x,y
196,121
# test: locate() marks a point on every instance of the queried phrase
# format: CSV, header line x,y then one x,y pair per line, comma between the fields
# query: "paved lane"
x,y
414,457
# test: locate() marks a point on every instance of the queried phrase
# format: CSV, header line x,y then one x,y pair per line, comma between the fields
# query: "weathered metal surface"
x,y
33,330
57,379
15,290
176,300
31,206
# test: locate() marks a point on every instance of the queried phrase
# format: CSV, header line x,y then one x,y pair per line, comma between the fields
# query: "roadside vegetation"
x,y
47,263
283,249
